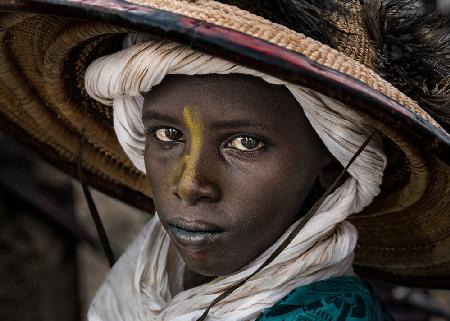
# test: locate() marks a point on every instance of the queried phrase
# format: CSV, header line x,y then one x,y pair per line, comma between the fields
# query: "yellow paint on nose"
x,y
193,123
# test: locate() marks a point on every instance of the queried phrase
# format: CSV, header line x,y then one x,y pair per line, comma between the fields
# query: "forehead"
x,y
223,96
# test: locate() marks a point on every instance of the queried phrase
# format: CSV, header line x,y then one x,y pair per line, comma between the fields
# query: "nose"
x,y
194,182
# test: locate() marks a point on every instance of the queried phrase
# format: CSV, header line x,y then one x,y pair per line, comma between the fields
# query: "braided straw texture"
x,y
34,95
42,65
243,21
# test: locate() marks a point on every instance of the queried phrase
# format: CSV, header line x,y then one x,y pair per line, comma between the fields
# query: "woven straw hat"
x,y
46,46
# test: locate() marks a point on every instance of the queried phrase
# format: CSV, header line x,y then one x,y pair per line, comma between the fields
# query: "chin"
x,y
208,265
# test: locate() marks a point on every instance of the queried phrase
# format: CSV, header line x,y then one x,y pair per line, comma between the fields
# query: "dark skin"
x,y
232,162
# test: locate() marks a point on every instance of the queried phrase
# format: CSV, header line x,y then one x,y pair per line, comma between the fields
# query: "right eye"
x,y
167,134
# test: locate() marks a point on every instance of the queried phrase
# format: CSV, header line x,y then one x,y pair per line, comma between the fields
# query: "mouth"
x,y
195,236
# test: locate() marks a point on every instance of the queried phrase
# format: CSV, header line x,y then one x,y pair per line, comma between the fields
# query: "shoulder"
x,y
344,298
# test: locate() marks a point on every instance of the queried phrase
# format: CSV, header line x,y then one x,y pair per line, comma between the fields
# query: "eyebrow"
x,y
222,124
153,115
233,124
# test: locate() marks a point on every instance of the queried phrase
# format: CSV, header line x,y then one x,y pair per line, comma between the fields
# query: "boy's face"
x,y
231,160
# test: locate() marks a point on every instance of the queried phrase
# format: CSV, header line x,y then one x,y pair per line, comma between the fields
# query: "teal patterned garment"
x,y
343,298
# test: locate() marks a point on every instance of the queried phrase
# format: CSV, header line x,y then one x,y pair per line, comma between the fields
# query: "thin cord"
x,y
93,209
292,235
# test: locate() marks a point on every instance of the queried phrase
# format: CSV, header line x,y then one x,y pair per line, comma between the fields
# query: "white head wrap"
x,y
146,282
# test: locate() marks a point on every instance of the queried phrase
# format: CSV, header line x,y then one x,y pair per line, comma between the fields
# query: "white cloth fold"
x,y
145,284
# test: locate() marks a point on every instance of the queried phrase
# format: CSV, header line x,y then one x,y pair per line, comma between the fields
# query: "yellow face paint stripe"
x,y
194,125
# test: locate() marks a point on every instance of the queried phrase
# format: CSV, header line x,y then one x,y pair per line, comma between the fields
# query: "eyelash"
x,y
169,144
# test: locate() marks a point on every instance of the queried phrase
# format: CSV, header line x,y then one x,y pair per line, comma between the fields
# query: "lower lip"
x,y
194,240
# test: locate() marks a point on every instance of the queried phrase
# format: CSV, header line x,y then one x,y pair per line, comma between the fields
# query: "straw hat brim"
x,y
47,45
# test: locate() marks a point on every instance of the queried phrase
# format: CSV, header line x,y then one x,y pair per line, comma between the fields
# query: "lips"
x,y
195,236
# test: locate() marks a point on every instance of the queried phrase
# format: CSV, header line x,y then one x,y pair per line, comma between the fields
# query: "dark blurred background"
x,y
51,263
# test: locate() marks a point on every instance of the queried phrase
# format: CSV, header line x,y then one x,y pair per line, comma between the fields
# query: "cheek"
x,y
273,194
267,196
159,177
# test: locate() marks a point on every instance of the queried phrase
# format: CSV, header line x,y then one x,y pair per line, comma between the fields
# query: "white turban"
x,y
146,282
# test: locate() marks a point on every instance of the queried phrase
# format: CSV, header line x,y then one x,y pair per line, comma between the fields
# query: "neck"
x,y
192,279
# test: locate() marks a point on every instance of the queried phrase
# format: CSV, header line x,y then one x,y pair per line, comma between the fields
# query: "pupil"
x,y
248,142
172,133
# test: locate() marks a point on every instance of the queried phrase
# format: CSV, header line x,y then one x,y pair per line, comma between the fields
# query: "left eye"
x,y
168,134
246,143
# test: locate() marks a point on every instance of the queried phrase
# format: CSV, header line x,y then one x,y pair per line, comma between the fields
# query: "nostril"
x,y
174,190
194,191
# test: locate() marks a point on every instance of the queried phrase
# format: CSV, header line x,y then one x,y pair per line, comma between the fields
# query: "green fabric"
x,y
344,298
